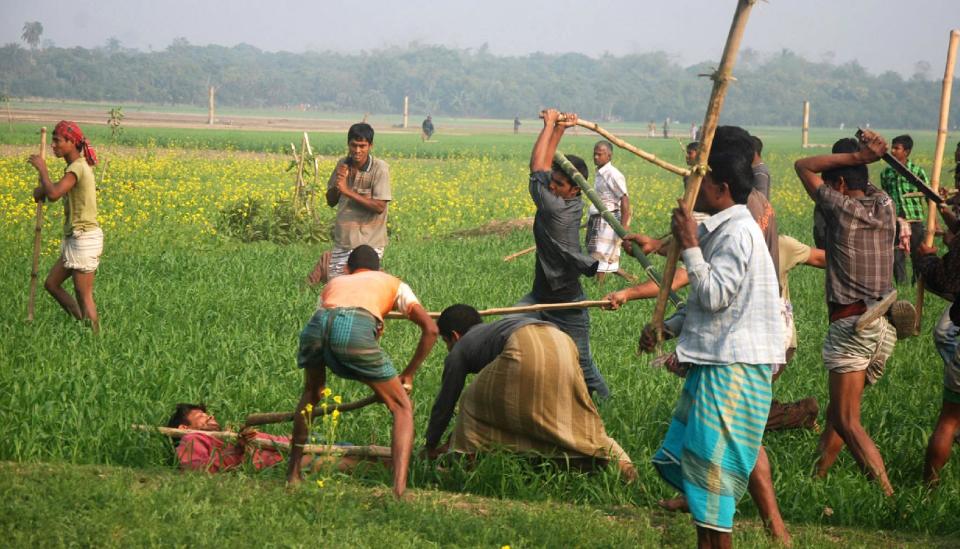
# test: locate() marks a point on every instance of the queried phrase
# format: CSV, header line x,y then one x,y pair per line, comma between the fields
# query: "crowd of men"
x,y
535,379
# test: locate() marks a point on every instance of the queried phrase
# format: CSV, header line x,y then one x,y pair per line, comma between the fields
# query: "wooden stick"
x,y
649,157
938,157
721,79
918,194
321,449
393,315
266,418
611,219
805,132
525,251
37,227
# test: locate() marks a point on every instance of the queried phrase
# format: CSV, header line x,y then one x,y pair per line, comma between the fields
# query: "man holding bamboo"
x,y
730,334
860,225
556,230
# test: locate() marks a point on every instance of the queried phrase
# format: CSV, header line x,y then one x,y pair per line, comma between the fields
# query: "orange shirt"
x,y
374,291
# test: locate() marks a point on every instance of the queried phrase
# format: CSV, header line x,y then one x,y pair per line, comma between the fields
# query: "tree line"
x,y
769,90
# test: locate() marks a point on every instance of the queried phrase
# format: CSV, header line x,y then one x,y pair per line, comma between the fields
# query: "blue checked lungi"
x,y
714,438
345,339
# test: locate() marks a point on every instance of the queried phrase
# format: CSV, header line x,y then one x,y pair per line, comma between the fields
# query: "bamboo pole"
x,y
281,417
319,449
525,251
805,132
520,309
649,157
592,195
37,227
406,110
938,157
210,108
721,79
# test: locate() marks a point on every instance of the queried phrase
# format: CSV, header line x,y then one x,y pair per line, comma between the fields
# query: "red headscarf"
x,y
70,131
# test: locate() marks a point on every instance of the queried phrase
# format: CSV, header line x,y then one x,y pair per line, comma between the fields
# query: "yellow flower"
x,y
335,415
338,399
319,483
308,408
326,392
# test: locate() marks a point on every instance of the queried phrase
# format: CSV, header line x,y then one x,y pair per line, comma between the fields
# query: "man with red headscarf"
x,y
82,238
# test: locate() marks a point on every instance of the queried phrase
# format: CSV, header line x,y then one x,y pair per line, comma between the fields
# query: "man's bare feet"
x,y
677,504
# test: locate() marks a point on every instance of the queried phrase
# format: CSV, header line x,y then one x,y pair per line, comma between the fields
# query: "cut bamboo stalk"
x,y
938,156
721,79
37,227
520,309
210,108
594,198
649,157
406,110
805,132
266,418
525,251
319,449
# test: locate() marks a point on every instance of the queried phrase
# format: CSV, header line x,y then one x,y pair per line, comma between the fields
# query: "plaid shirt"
x,y
913,208
733,311
859,244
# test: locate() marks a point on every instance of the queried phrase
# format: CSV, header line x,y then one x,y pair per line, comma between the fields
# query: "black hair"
x,y
577,162
757,144
734,170
855,177
363,257
181,412
903,140
733,139
361,131
692,145
457,318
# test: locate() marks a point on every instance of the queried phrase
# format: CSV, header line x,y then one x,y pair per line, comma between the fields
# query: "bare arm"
x,y
428,336
953,224
810,168
47,188
817,258
646,290
625,211
542,156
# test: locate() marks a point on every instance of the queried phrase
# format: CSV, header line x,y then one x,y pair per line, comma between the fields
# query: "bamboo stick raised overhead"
x,y
721,79
938,156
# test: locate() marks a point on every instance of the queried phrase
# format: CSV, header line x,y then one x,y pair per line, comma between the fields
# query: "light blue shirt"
x,y
733,312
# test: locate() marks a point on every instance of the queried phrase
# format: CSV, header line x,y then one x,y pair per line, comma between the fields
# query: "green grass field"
x,y
191,315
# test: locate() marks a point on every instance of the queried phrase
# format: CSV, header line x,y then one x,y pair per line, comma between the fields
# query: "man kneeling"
x,y
529,396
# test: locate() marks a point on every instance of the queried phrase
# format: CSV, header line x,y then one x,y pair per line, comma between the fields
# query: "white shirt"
x,y
611,186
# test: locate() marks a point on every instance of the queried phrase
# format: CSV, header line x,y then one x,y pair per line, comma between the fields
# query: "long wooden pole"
x,y
649,157
280,417
938,157
805,131
515,255
38,225
321,449
721,79
520,309
594,198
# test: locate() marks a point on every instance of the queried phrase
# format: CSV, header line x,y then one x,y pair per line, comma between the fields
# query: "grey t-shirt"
x,y
556,230
475,349
355,224
761,179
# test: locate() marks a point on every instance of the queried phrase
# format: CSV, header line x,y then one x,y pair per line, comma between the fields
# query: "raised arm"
x,y
541,158
810,168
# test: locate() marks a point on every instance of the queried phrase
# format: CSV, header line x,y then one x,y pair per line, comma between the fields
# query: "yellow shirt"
x,y
80,204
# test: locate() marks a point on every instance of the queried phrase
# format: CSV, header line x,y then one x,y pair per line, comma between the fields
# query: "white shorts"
x,y
338,260
81,250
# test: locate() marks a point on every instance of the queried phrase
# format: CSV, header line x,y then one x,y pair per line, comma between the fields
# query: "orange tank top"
x,y
375,291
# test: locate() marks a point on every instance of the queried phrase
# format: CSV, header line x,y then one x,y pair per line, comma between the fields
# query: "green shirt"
x,y
912,208
80,204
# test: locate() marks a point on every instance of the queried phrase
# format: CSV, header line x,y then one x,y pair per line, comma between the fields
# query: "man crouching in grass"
x,y
344,335
730,334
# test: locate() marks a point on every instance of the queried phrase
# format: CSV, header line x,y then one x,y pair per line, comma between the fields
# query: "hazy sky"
x,y
880,34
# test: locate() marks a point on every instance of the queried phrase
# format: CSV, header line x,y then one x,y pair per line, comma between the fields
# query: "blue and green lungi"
x,y
714,438
345,339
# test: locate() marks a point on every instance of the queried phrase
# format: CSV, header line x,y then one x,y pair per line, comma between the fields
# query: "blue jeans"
x,y
945,336
576,324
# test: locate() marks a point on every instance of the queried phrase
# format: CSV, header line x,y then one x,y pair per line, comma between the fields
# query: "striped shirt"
x,y
733,312
859,238
912,208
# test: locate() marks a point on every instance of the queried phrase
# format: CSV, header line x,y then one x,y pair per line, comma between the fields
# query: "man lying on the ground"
x,y
529,395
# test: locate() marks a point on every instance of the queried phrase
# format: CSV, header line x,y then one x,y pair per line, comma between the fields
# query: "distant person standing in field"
x,y
942,276
82,237
912,210
860,223
761,173
652,129
602,241
516,124
556,230
666,129
427,128
693,131
359,188
344,336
